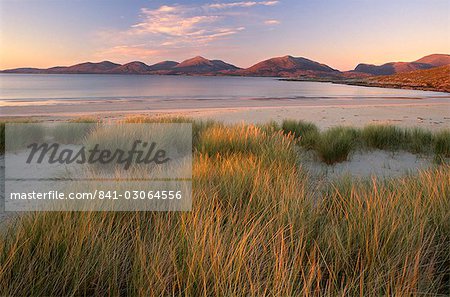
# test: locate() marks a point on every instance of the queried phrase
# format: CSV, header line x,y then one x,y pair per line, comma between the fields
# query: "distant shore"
x,y
371,84
436,79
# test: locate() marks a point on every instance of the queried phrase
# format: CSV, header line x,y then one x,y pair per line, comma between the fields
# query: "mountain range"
x,y
286,66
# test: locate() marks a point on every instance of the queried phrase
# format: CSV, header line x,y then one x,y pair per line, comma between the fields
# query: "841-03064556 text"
x,y
100,194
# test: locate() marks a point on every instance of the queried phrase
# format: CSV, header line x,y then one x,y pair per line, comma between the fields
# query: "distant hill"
x,y
426,62
162,66
435,60
24,70
391,68
135,67
288,66
435,79
88,67
200,65
104,67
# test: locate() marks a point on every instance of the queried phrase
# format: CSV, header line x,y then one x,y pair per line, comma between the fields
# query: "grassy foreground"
x,y
258,227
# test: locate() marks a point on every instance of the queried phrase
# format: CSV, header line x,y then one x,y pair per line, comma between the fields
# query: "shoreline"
x,y
368,84
431,113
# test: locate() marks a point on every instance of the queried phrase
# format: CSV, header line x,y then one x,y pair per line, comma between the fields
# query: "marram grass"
x,y
257,228
336,144
307,133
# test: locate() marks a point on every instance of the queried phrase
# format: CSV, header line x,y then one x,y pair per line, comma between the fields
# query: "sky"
x,y
339,33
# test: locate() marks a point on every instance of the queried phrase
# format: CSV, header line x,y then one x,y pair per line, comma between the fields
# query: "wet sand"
x,y
432,113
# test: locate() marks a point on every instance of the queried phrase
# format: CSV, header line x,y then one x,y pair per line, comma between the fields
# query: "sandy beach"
x,y
432,113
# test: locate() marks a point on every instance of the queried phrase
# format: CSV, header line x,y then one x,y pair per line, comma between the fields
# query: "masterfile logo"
x,y
142,152
100,167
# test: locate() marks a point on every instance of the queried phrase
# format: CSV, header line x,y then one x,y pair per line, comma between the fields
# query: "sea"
x,y
32,89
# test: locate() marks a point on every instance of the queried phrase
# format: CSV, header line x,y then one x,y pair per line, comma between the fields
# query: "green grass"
x,y
388,137
270,127
16,143
258,227
442,145
219,140
414,140
197,126
20,136
307,133
384,136
335,144
72,132
419,140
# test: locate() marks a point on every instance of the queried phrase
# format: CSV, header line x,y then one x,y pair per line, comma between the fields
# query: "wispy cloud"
x,y
179,24
272,22
171,20
241,4
172,27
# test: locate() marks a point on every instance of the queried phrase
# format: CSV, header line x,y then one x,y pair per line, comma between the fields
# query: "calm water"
x,y
41,87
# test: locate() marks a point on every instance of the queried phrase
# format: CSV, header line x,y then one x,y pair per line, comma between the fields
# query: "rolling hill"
x,y
87,68
163,66
289,66
200,65
135,67
435,60
426,62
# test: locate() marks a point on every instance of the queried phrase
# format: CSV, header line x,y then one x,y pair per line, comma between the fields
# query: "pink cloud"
x,y
272,22
241,4
170,20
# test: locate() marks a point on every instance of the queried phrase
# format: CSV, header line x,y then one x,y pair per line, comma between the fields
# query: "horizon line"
x,y
218,59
